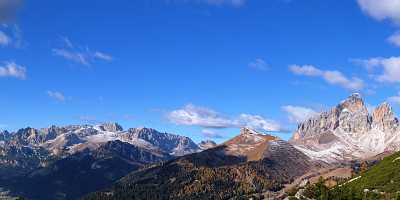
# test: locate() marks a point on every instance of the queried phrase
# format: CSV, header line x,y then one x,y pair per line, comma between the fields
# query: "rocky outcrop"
x,y
111,127
348,131
174,144
207,144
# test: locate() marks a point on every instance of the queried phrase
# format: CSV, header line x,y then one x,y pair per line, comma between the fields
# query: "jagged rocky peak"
x,y
351,116
348,131
141,130
354,103
27,132
247,131
250,137
383,118
176,144
52,132
111,127
28,135
207,144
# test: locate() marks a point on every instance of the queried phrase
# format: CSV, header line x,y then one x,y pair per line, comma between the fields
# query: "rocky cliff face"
x,y
174,144
348,131
383,118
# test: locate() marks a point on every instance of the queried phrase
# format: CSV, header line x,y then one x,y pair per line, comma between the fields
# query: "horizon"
x,y
287,134
201,68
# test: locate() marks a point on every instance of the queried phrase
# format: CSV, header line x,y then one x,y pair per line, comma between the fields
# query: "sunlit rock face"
x,y
348,131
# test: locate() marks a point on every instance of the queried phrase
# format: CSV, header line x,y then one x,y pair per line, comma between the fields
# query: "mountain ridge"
x,y
250,163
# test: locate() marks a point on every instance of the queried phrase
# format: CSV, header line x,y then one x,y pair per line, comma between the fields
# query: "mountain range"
x,y
257,165
68,162
141,163
250,163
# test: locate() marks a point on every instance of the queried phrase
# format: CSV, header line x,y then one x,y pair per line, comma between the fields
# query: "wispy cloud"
x,y
298,114
58,96
332,77
211,134
102,56
394,39
8,10
395,99
4,39
80,55
11,69
192,115
11,36
72,56
259,64
389,68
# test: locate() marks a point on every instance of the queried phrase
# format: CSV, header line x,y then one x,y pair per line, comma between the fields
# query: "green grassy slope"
x,y
384,177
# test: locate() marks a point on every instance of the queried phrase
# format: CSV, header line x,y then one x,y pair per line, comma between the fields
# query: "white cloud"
x,y
394,39
58,96
390,68
337,78
257,122
331,77
395,99
199,116
259,64
4,39
192,115
382,9
212,134
11,69
298,114
83,56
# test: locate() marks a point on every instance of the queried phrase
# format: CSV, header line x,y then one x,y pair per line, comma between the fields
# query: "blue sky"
x,y
201,68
